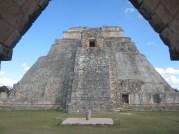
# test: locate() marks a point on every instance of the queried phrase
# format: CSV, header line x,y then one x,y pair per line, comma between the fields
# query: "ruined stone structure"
x,y
163,15
97,69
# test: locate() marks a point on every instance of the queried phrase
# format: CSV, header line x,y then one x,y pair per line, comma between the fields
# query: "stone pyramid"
x,y
97,69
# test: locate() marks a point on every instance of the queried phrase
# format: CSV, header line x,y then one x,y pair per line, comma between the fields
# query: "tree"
x,y
4,89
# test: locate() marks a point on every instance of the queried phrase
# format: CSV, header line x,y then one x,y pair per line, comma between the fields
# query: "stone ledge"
x,y
92,121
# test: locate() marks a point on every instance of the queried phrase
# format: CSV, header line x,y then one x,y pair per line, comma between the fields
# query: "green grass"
x,y
47,122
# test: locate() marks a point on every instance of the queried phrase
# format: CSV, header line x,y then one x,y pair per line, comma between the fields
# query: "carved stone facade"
x,y
93,69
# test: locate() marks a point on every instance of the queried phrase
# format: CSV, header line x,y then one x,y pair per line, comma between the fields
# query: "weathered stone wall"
x,y
50,78
105,31
16,16
95,35
3,97
91,88
136,77
163,15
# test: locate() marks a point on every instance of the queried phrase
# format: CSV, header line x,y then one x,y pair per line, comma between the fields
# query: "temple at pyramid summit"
x,y
94,69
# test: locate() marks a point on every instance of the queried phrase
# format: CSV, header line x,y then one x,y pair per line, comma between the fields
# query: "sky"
x,y
60,15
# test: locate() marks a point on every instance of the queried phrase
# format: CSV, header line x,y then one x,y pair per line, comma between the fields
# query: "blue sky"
x,y
63,14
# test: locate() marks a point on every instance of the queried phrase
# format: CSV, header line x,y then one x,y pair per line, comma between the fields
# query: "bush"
x,y
4,89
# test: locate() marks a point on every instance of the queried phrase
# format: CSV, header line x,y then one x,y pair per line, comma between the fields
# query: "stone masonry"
x,y
163,15
16,16
95,69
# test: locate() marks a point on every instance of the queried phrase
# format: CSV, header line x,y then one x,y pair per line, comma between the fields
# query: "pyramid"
x,y
97,69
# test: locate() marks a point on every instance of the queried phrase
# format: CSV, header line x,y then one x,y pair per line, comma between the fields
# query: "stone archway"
x,y
163,15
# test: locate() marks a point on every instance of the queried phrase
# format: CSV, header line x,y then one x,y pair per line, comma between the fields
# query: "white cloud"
x,y
2,73
8,80
171,75
169,70
4,80
129,10
25,67
172,71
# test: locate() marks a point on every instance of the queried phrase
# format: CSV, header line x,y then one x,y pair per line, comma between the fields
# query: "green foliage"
x,y
5,89
49,122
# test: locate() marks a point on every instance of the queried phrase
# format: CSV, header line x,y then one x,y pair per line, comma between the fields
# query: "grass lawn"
x,y
46,122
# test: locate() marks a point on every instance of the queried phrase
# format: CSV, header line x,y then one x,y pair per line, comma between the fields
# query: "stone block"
x,y
171,5
88,114
5,4
11,14
5,53
13,39
166,36
161,18
23,25
92,121
148,7
174,54
42,3
20,2
72,35
30,7
174,25
3,96
170,36
136,3
6,30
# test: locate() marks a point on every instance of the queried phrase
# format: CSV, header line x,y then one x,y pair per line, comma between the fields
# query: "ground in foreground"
x,y
48,122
